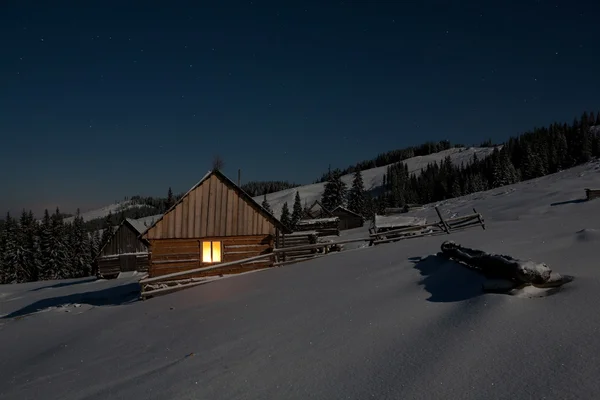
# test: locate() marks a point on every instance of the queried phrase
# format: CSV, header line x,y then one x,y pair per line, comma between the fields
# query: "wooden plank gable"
x,y
214,208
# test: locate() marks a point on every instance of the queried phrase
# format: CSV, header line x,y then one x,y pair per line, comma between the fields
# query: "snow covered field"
x,y
391,321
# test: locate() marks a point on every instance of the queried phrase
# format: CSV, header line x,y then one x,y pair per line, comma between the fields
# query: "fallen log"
x,y
499,266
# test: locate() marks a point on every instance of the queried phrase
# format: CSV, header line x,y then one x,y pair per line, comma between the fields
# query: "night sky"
x,y
101,100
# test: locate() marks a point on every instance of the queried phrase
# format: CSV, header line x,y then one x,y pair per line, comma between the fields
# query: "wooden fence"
x,y
287,255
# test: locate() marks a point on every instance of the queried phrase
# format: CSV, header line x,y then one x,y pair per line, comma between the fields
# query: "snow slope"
x,y
387,322
373,178
104,211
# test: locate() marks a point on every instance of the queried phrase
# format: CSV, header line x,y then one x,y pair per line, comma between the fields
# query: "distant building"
x,y
214,222
348,219
316,211
124,251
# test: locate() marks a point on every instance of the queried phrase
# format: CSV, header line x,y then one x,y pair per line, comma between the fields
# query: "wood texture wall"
x,y
125,240
212,209
112,266
176,255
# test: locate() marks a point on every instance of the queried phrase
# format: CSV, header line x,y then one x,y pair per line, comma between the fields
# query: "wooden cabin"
x,y
124,251
214,222
316,211
348,219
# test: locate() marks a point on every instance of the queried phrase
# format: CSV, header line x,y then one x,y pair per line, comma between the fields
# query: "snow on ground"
x,y
373,178
393,321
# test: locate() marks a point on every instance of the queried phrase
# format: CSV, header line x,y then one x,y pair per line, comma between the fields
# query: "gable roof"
x,y
310,210
344,209
137,226
245,196
131,223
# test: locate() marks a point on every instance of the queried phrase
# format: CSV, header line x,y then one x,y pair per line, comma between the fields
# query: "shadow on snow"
x,y
573,201
448,281
63,284
112,296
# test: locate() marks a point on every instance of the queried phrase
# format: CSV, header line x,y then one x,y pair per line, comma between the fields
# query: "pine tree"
x,y
285,215
48,262
335,191
357,199
107,231
296,211
79,246
265,204
10,251
29,255
61,269
170,200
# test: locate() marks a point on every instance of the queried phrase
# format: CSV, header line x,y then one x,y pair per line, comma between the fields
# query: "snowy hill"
x,y
390,321
373,178
104,211
309,193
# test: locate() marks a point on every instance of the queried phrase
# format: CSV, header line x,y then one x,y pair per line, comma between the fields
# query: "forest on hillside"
x,y
33,250
533,154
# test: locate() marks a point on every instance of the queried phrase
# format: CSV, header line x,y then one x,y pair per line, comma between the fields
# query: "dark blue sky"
x,y
100,100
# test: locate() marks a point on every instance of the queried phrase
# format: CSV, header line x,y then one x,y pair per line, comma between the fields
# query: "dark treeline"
x,y
143,207
260,188
531,155
32,250
391,157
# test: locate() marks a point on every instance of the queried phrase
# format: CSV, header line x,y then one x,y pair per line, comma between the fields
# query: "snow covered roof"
x,y
344,209
397,221
317,221
137,225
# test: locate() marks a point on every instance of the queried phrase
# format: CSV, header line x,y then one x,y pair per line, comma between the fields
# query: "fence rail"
x,y
165,283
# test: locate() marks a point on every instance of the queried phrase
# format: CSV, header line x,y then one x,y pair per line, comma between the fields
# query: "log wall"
x,y
177,255
111,266
212,209
124,240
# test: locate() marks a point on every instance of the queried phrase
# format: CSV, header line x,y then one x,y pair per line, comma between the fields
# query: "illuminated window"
x,y
211,252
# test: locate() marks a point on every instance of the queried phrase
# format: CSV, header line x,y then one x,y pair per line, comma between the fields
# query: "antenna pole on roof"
x,y
239,178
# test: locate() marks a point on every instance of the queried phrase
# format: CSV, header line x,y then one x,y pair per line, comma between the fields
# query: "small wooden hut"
x,y
125,251
214,222
348,219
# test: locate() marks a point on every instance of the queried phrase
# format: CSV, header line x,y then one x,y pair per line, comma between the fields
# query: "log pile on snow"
x,y
508,271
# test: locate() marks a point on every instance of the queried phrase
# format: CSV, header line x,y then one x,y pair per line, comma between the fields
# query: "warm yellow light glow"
x,y
216,251
206,252
211,252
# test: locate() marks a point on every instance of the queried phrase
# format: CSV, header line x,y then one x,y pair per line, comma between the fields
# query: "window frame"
x,y
212,252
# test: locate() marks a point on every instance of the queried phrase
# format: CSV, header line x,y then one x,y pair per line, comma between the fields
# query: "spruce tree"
x,y
80,254
170,200
10,251
285,215
296,211
265,204
46,247
357,199
107,230
61,268
335,191
29,254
